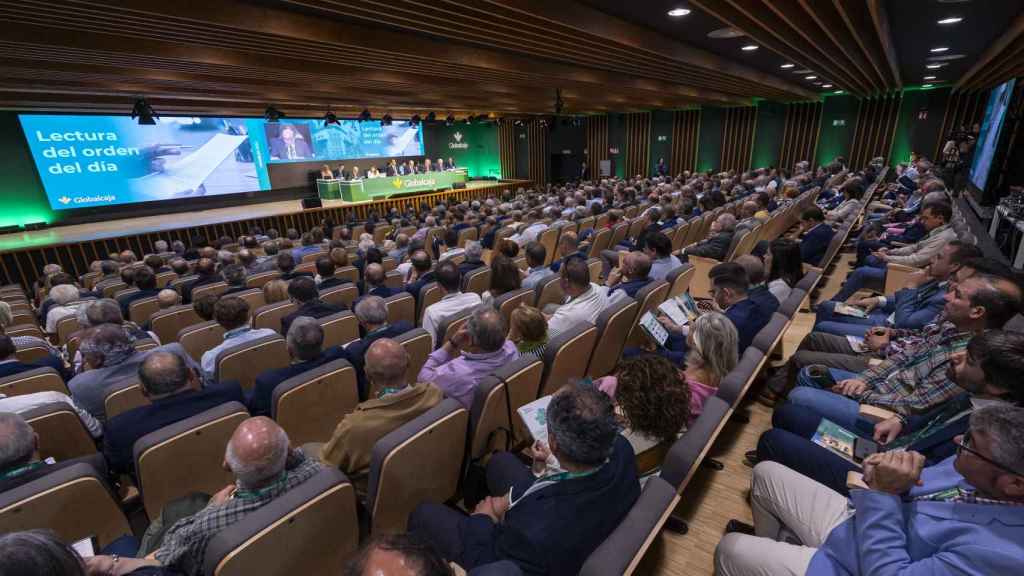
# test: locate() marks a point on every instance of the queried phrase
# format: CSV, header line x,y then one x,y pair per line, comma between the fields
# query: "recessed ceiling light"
x,y
818,84
952,20
749,48
725,33
929,77
787,65
945,57
826,85
804,71
839,92
810,77
926,85
934,66
677,12
939,49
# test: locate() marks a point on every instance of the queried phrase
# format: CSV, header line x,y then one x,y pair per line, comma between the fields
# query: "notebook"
x,y
847,310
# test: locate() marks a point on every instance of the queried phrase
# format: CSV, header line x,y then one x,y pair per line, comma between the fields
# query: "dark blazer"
x,y
293,275
631,287
553,530
383,291
314,309
467,267
17,367
126,300
415,287
332,283
122,431
390,170
815,243
95,460
715,247
234,289
764,299
355,352
263,391
188,287
748,317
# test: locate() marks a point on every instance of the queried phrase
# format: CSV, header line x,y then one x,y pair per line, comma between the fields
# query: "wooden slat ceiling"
x,y
464,57
1003,60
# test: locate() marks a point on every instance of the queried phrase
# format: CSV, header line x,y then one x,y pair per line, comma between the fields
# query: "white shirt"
x,y
451,253
530,234
231,338
779,289
25,402
450,305
58,313
584,308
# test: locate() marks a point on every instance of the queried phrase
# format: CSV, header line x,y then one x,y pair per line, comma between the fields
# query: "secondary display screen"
x,y
91,161
988,140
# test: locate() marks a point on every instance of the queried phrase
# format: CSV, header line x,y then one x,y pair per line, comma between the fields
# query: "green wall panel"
x,y
22,199
661,138
838,120
709,143
771,121
472,146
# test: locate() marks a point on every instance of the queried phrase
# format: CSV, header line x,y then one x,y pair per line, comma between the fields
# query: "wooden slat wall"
x,y
507,148
638,143
537,138
876,123
597,144
800,134
738,126
962,109
24,266
685,134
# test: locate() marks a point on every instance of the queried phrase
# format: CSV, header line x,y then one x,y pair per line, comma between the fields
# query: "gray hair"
x,y
160,246
474,250
107,342
105,311
38,552
234,274
51,269
19,440
258,472
715,344
64,294
371,310
305,338
1004,424
582,421
178,247
225,258
727,222
487,328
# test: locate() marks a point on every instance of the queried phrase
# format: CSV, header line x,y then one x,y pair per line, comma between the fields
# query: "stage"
x,y
22,254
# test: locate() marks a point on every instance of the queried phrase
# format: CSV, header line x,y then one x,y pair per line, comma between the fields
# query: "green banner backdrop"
x,y
472,146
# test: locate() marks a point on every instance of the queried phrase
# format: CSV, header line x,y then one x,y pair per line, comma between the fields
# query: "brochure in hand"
x,y
847,310
842,442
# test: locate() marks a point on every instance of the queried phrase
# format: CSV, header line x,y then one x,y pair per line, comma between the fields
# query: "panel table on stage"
x,y
365,189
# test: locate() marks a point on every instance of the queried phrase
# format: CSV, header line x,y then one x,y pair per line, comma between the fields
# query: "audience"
x,y
232,313
374,282
816,236
325,278
206,273
535,256
65,303
505,278
145,281
634,274
372,315
452,302
586,299
716,246
20,462
528,330
783,263
302,290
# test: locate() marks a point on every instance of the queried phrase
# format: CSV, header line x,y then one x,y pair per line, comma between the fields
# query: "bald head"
x,y
386,364
257,452
374,274
636,265
167,298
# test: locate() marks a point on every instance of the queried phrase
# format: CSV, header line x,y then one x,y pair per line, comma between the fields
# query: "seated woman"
x,y
275,291
505,277
326,173
785,268
528,329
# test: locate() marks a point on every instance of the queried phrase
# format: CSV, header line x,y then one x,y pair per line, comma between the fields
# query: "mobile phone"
x,y
86,547
821,375
862,448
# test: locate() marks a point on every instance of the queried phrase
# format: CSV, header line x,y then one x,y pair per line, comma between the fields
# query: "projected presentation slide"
x,y
988,140
90,161
313,141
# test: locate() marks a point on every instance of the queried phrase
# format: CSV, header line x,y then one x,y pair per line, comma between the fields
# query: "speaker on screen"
x,y
458,185
308,203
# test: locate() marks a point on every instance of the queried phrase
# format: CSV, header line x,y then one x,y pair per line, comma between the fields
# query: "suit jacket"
x,y
415,287
188,287
390,171
920,254
749,317
332,283
764,299
234,290
355,352
279,149
126,300
914,307
314,309
262,396
122,431
17,367
715,247
552,530
815,243
293,275
383,291
891,534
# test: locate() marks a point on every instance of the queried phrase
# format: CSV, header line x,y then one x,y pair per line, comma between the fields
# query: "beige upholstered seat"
x,y
310,405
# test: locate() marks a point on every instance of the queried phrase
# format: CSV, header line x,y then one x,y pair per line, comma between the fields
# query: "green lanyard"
x,y
255,494
387,391
22,469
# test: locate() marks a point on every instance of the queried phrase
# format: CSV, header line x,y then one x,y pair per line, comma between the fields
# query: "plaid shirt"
x,y
915,380
184,544
901,339
963,495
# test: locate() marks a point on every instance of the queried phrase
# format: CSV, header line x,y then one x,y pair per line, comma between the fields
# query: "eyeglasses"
x,y
965,445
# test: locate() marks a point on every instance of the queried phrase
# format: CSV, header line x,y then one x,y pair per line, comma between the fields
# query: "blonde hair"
x,y
715,345
528,323
275,291
6,316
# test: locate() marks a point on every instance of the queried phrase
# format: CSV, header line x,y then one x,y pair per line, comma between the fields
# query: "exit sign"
x,y
839,122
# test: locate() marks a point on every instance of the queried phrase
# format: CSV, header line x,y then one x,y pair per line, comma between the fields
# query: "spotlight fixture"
x,y
449,120
952,20
934,66
330,118
787,65
144,112
385,120
677,12
749,48
273,114
939,49
432,117
415,120
365,115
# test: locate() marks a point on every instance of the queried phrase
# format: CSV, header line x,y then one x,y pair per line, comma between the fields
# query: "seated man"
x,y
392,402
716,246
962,515
374,280
174,392
20,462
235,275
232,313
551,524
634,275
206,271
265,468
304,294
452,300
10,365
145,281
372,315
658,248
568,247
474,257
911,308
65,303
986,373
816,236
403,554
536,253
167,298
477,349
586,299
305,342
758,291
286,264
420,273
325,270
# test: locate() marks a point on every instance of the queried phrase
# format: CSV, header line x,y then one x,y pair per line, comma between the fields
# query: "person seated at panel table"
x,y
427,166
341,173
356,174
289,145
412,168
373,172
451,163
440,166
325,173
392,168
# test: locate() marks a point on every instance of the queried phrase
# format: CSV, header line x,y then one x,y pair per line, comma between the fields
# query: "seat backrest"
x,y
75,502
548,238
769,337
140,310
198,338
388,263
434,441
478,280
31,354
618,234
123,397
32,381
418,344
25,330
165,278
312,256
600,242
549,291
594,267
650,297
400,307
199,441
217,288
66,326
253,297
167,323
449,326
61,433
613,326
310,529
429,294
522,378
110,289
270,315
792,303
809,281
344,295
635,227
567,356
465,235
339,328
586,223
622,550
679,280
310,405
489,427
736,239
509,301
261,278
393,279
679,236
735,384
244,362
688,451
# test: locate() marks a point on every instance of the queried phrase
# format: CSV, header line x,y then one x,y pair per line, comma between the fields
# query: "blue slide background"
x,y
988,140
349,139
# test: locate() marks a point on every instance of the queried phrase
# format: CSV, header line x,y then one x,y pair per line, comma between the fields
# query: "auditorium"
x,y
511,287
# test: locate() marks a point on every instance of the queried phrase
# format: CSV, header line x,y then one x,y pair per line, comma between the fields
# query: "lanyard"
x,y
22,469
546,481
255,494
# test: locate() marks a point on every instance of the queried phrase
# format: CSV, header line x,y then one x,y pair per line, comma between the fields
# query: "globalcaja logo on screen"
x,y
458,144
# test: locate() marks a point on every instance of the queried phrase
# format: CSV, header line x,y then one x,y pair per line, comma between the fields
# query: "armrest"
x,y
874,413
896,276
855,480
